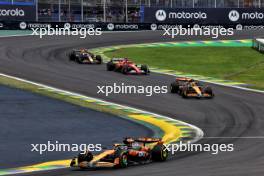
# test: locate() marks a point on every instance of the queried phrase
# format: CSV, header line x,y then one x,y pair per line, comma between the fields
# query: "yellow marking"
x,y
38,167
225,41
90,101
245,41
207,42
171,132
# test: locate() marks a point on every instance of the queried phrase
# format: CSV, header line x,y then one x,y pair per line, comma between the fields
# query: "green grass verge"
x,y
241,64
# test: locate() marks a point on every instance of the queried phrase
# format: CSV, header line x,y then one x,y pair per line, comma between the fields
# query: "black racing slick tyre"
x,y
79,60
123,160
125,70
145,68
184,93
110,66
72,57
99,59
209,91
174,88
159,153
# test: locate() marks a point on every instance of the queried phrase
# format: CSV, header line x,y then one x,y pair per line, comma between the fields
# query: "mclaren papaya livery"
x,y
83,56
126,66
130,152
187,87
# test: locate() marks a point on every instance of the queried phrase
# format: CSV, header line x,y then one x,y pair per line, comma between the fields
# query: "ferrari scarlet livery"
x,y
130,152
187,87
83,56
126,66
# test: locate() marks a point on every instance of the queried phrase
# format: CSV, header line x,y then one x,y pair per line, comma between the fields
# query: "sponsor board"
x,y
104,26
122,27
17,13
204,15
22,25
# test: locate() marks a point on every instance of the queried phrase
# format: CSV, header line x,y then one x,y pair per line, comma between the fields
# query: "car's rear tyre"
x,y
123,160
174,87
184,93
159,153
71,58
145,68
110,66
124,70
99,59
209,91
79,60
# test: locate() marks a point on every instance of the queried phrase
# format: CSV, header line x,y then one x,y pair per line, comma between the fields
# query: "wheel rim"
x,y
124,160
164,154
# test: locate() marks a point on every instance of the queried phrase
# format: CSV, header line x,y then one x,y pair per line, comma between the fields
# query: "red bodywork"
x,y
126,63
126,66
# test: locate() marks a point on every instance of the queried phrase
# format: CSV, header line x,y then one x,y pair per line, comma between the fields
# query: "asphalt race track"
x,y
233,113
27,118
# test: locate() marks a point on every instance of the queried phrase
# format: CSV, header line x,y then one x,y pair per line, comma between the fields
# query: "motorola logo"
x,y
239,27
153,27
67,25
12,12
234,15
110,26
161,15
23,25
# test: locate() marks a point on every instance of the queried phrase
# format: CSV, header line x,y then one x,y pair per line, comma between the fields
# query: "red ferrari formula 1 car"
x,y
187,87
130,152
126,66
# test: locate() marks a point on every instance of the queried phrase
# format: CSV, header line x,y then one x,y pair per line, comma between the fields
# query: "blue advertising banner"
x,y
204,15
17,2
17,13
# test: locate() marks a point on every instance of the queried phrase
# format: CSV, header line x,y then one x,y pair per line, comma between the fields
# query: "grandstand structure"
x,y
117,10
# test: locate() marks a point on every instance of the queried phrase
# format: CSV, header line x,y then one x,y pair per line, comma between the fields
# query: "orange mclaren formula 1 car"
x,y
187,87
126,66
83,56
130,152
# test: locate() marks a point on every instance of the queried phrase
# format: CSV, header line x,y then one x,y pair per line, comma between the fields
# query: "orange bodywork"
x,y
183,79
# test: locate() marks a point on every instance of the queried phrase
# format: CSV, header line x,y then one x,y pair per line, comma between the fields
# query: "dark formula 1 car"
x,y
187,87
83,56
126,66
130,152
